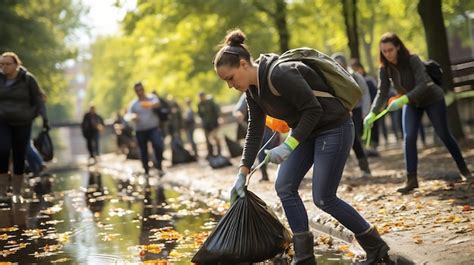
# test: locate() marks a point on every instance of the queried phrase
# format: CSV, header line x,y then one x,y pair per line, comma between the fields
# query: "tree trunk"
x,y
349,10
279,18
282,27
437,43
367,39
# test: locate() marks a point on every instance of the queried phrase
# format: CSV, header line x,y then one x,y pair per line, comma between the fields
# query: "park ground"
x,y
433,225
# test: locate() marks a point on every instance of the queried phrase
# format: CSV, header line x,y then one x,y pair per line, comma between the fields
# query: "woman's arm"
x,y
255,129
381,98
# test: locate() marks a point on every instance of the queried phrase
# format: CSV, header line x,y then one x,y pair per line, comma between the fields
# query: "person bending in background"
x,y
419,94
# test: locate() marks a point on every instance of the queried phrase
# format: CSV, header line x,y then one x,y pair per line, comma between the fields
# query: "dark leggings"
x,y
411,123
14,139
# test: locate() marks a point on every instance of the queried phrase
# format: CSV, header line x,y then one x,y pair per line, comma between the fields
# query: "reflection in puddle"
x,y
82,217
91,218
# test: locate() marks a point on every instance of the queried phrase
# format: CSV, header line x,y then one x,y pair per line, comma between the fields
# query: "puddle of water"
x,y
81,217
93,219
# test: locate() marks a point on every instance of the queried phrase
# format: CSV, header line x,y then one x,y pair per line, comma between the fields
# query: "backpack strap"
x,y
316,93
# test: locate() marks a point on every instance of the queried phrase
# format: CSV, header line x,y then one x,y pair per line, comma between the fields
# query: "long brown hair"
x,y
403,54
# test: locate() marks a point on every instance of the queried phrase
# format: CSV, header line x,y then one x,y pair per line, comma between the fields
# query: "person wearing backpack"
x,y
321,137
419,94
20,103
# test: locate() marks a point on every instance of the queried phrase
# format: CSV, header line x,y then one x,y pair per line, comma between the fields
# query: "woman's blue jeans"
x,y
327,154
438,117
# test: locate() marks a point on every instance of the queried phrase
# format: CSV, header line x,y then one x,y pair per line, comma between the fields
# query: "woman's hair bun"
x,y
235,37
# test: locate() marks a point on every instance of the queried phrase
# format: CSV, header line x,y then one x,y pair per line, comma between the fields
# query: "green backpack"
x,y
343,84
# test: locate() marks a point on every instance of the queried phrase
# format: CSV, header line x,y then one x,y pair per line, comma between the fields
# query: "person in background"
x,y
379,125
418,94
20,102
92,124
36,164
359,111
209,113
175,124
143,113
321,138
189,125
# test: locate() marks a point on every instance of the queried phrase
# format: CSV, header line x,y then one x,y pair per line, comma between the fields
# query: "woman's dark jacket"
x,y
409,78
22,101
305,114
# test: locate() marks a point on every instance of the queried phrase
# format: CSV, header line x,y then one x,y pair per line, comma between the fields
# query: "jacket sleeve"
x,y
255,129
37,95
381,98
422,80
294,89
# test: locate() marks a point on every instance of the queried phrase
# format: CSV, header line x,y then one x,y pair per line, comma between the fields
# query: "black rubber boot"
x,y
412,183
364,167
303,244
374,246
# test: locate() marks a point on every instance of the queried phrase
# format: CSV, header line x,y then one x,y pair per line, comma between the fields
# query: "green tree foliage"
x,y
169,44
38,31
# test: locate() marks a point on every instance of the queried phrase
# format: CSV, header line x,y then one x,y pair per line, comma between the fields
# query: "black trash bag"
x,y
44,145
133,153
235,149
179,154
219,161
248,232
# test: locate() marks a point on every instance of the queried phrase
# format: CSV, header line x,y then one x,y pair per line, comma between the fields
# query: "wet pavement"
x,y
91,218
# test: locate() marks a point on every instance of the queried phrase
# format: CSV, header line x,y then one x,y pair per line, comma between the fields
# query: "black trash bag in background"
x,y
44,145
218,161
235,149
248,232
179,154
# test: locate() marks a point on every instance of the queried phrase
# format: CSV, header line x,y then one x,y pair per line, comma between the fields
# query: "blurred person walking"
x,y
20,102
189,120
143,111
92,125
209,113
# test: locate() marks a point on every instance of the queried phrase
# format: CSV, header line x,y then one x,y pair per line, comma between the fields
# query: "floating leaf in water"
x,y
52,210
156,262
33,233
152,248
9,229
62,260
